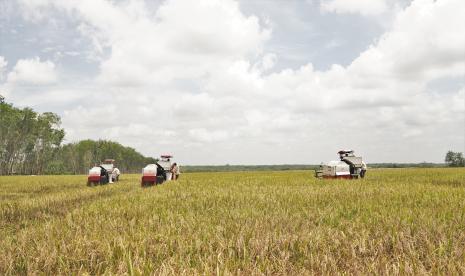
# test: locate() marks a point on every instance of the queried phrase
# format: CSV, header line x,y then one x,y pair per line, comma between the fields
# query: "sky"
x,y
244,81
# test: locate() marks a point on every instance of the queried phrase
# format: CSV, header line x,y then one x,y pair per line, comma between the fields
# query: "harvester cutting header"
x,y
348,167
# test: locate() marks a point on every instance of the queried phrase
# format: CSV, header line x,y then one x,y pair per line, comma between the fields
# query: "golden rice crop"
x,y
397,221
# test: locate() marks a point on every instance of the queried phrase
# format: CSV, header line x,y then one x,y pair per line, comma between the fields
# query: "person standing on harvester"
x,y
174,171
363,170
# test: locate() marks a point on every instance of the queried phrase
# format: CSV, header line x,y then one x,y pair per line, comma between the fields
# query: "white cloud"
x,y
182,39
364,7
424,43
194,78
3,64
33,71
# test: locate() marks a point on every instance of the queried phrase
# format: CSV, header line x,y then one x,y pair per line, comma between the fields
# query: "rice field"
x,y
395,221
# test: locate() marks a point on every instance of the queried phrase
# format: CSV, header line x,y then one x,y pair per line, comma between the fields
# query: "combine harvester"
x,y
158,173
348,167
107,172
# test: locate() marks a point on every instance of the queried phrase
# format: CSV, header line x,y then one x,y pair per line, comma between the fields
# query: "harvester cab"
x,y
158,173
348,167
165,162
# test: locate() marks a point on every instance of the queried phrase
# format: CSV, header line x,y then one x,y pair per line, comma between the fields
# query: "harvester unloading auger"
x,y
348,167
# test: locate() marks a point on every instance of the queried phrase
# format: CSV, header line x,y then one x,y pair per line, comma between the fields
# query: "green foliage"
x,y
28,140
237,168
284,167
406,165
454,159
30,143
77,158
395,221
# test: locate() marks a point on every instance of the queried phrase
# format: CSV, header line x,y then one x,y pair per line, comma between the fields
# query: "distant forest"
x,y
236,168
31,143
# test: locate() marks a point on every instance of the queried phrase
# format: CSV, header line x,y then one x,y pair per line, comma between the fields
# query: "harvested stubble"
x,y
407,221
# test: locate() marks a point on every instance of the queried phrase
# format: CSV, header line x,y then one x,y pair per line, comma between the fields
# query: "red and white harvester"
x,y
107,172
158,173
348,167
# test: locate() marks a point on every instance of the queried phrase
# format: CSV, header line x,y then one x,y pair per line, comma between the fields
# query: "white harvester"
x,y
158,173
107,172
348,167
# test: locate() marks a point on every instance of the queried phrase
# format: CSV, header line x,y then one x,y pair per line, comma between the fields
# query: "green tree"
x,y
28,140
31,143
454,159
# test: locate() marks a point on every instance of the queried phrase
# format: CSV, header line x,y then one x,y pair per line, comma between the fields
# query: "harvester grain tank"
x,y
95,176
152,174
348,167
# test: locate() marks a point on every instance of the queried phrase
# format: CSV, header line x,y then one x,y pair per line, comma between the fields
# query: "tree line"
x,y
31,143
77,158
